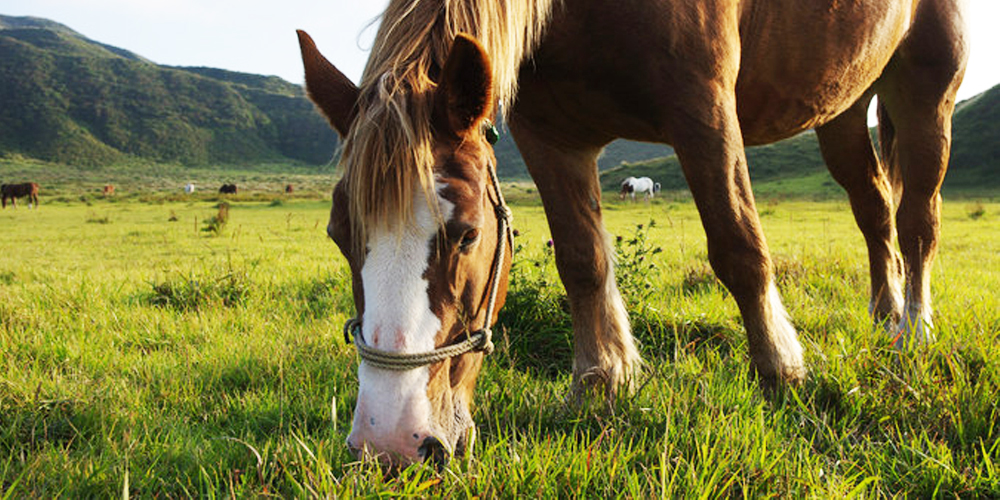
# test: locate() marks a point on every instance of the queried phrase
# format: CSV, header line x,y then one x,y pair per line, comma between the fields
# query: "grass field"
x,y
143,355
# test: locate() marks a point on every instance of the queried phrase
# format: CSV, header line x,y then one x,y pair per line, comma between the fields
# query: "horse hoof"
x,y
914,328
595,382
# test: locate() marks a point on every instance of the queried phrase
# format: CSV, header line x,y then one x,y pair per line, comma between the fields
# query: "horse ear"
x,y
465,90
334,94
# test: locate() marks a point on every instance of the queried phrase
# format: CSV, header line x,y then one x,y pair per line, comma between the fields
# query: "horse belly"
x,y
804,63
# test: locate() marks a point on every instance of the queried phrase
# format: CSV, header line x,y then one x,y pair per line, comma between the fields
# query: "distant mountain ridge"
x,y
67,99
23,22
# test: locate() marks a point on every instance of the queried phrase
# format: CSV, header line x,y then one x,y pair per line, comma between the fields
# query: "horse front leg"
x,y
605,354
710,149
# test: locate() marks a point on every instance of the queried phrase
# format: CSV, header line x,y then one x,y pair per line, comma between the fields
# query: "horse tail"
x,y
887,148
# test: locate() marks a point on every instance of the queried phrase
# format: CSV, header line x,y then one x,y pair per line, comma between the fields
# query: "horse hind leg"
x,y
918,90
850,157
605,354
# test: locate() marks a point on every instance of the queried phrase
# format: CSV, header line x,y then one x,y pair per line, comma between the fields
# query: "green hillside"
x,y
510,165
67,99
975,147
797,157
795,166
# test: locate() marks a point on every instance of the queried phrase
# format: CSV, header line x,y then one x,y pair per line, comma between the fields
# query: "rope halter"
x,y
479,341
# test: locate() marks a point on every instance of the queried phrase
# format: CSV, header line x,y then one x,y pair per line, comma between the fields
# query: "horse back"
x,y
19,190
647,70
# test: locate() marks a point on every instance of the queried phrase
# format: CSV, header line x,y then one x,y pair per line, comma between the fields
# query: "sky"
x,y
258,36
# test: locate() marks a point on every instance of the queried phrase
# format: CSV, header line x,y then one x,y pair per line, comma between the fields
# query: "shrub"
x,y
229,289
976,211
635,265
217,223
95,219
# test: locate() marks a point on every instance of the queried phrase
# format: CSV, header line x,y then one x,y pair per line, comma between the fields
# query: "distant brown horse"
x,y
419,216
289,189
15,191
228,189
109,190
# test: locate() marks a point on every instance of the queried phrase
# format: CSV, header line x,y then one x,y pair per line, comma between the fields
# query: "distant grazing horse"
x,y
289,189
633,186
419,216
228,189
14,191
189,188
109,190
627,188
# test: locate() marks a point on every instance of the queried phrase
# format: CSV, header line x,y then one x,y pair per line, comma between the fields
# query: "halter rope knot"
x,y
479,341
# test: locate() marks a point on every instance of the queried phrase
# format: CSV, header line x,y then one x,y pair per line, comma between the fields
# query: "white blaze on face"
x,y
393,412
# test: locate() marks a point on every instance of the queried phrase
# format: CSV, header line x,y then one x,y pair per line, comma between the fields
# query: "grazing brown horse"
x,y
109,190
14,191
228,189
420,219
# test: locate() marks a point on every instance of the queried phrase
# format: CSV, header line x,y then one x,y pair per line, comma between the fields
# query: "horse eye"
x,y
468,239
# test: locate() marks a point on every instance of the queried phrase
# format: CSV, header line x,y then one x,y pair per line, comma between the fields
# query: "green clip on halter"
x,y
490,132
480,340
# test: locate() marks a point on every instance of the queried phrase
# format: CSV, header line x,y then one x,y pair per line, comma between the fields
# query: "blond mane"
x,y
387,154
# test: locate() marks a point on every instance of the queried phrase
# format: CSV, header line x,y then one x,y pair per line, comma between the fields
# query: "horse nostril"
x,y
433,451
354,450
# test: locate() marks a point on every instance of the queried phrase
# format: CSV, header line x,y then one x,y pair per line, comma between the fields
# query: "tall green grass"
x,y
145,356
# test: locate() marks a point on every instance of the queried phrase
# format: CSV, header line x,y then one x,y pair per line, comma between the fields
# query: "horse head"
x,y
428,280
627,187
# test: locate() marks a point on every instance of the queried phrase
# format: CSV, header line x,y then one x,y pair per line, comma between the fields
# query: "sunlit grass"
x,y
143,352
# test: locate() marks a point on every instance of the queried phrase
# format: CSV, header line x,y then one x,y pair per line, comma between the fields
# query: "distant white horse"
x,y
189,188
632,185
